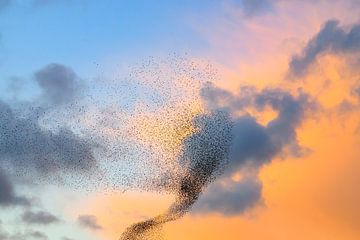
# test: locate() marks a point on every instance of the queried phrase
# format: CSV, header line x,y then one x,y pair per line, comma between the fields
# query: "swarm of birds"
x,y
163,127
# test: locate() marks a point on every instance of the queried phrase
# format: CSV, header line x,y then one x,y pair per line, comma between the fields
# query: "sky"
x,y
217,119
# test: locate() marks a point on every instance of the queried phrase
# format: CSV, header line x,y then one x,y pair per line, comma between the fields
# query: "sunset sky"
x,y
107,106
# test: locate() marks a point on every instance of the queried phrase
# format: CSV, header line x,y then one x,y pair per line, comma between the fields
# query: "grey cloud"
x,y
59,83
234,199
8,196
252,141
25,145
220,99
253,8
30,234
41,217
252,144
345,106
89,221
67,238
38,235
291,113
331,38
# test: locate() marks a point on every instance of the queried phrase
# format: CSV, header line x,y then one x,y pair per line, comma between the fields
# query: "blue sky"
x,y
95,38
81,33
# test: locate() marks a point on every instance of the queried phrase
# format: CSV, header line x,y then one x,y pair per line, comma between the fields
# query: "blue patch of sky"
x,y
83,34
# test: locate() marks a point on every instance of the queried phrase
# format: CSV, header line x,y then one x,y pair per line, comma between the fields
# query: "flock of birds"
x,y
150,130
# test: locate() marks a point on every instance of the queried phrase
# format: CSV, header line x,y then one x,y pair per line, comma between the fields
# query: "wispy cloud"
x,y
89,221
41,217
332,38
8,196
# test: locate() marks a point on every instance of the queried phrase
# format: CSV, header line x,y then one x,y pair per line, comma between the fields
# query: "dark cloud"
x,y
254,144
25,145
234,199
59,83
29,149
331,38
252,141
89,221
7,193
41,217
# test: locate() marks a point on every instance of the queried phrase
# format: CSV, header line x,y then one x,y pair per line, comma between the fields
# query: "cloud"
x,y
247,142
66,238
29,234
38,235
230,200
25,145
356,91
41,217
252,144
7,193
255,7
59,83
89,221
331,38
252,141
